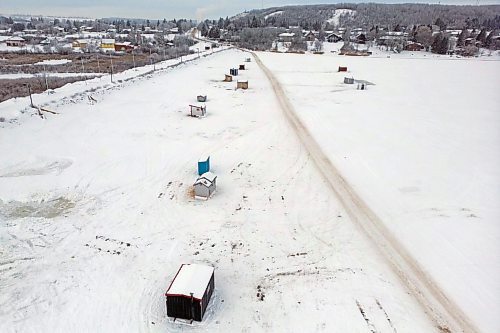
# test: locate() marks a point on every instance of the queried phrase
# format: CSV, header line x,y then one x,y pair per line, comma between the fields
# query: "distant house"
x,y
361,39
108,44
15,41
286,36
205,185
124,47
310,36
414,47
80,43
333,38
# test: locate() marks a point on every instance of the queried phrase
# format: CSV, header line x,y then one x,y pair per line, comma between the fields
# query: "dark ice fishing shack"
x,y
189,293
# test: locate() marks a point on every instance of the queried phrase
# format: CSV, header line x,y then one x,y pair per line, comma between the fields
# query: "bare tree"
x,y
424,36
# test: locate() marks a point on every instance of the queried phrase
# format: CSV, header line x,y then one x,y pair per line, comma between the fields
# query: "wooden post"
x,y
111,59
29,91
46,82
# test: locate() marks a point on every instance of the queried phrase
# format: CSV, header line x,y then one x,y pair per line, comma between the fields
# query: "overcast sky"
x,y
158,9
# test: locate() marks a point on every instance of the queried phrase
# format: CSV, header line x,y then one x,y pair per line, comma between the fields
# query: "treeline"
x,y
370,14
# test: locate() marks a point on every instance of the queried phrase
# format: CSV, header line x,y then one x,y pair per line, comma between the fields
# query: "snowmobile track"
x,y
442,310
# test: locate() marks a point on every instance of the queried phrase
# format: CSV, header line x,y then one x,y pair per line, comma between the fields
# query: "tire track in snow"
x,y
442,310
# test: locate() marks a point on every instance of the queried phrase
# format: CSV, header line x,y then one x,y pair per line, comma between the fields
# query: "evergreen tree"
x,y
462,37
440,44
255,23
482,36
488,40
440,23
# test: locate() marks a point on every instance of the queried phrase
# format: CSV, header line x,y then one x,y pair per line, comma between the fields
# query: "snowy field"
x,y
421,147
16,76
96,213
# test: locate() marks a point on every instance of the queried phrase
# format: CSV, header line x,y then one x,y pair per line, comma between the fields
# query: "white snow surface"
x,y
97,214
278,12
191,278
15,76
15,108
338,13
53,62
422,152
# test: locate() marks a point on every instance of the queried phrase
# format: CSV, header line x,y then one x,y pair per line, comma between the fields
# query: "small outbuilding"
x,y
201,98
248,60
233,71
348,80
190,291
15,41
203,164
242,67
342,69
198,111
242,85
205,186
228,78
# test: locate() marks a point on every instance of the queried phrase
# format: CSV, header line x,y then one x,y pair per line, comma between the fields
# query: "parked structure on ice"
x,y
205,186
242,85
228,78
203,164
190,291
198,111
201,98
348,80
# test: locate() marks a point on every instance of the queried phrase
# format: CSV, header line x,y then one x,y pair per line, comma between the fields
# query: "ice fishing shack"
x,y
205,186
190,291
198,111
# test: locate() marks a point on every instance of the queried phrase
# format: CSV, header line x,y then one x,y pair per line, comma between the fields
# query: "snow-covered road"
x,y
96,216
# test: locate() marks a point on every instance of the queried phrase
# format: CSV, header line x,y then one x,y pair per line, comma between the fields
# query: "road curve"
x,y
442,310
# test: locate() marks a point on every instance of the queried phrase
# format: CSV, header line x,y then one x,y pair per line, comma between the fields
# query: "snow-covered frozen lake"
x,y
96,212
96,216
422,147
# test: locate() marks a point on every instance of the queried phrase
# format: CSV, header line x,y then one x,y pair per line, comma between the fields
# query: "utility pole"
x,y
111,59
29,91
133,57
46,82
83,71
98,65
150,59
